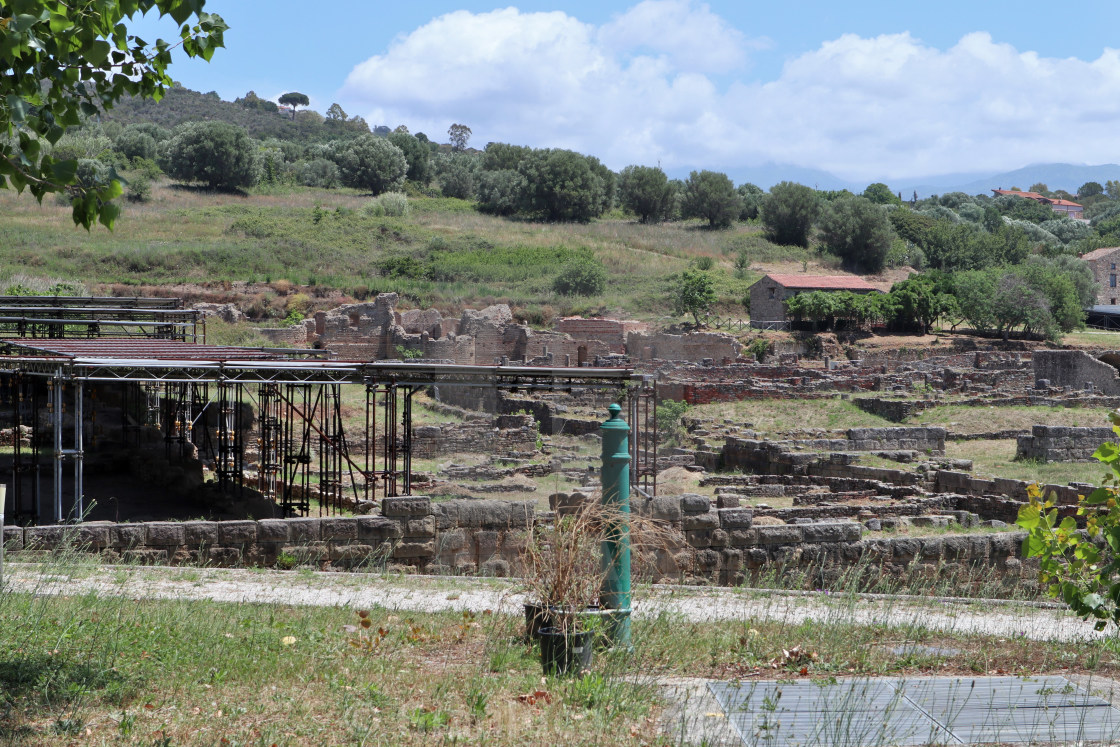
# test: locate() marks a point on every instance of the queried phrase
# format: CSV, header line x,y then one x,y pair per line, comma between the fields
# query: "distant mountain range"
x,y
1065,176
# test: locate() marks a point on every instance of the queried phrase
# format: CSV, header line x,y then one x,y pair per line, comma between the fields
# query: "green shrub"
x,y
139,188
669,425
1072,566
585,277
390,204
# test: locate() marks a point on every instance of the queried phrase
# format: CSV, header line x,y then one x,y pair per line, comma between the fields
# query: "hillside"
x,y
255,249
181,105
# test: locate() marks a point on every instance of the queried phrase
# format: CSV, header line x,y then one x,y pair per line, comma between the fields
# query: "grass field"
x,y
444,254
777,417
95,670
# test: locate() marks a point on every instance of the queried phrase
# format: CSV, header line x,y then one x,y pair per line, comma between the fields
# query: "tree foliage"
x,y
294,99
694,293
1074,566
416,154
459,135
562,185
881,194
217,154
63,62
645,191
750,200
788,213
501,192
857,230
583,277
371,162
710,195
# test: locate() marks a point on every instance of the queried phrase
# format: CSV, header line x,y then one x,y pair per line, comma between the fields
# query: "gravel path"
x,y
430,594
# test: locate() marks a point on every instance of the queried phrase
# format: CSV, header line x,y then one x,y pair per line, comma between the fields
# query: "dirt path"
x,y
438,593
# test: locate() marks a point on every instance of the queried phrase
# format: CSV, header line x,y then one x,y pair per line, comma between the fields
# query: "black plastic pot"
x,y
539,616
566,653
536,617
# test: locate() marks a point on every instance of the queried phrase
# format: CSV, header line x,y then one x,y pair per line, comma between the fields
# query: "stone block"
x,y
336,529
407,549
495,567
779,535
47,538
93,535
273,530
13,538
491,514
224,556
303,530
847,531
164,533
663,508
487,543
932,548
727,500
200,533
699,539
709,520
708,560
413,505
756,557
452,541
743,537
124,536
233,533
735,518
695,504
421,527
732,559
904,551
349,554
377,527
720,538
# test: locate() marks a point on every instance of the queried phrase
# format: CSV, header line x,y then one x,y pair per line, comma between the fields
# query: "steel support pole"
x,y
615,596
79,454
56,422
3,500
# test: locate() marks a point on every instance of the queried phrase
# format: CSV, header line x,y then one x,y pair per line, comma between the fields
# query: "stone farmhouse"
x,y
1065,207
1102,262
768,295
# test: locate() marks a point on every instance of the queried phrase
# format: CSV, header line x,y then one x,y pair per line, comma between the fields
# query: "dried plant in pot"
x,y
564,575
564,572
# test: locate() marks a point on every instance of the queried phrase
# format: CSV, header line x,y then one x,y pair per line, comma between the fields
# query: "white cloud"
x,y
652,85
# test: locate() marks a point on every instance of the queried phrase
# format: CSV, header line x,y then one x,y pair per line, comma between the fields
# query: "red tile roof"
x,y
822,282
1036,196
1104,251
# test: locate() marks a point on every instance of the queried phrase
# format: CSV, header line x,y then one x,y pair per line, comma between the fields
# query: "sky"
x,y
863,90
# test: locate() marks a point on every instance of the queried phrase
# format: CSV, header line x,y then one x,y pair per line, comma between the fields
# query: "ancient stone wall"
x,y
1049,443
722,544
1077,369
696,346
507,434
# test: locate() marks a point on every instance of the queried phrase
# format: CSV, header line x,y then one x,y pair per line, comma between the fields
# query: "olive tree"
x,y
416,154
710,195
857,230
218,154
563,185
788,213
370,162
645,191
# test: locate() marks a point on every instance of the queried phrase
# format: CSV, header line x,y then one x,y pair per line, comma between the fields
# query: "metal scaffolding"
x,y
200,398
